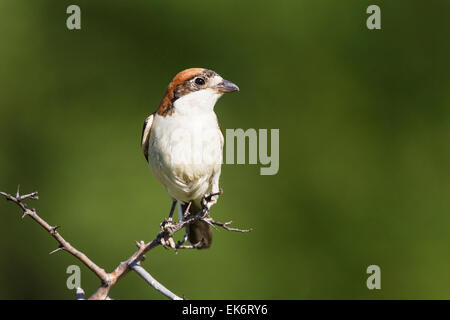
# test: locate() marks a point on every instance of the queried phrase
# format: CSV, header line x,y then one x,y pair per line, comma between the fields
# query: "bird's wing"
x,y
146,134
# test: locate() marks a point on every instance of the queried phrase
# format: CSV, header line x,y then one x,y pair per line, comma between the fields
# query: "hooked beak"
x,y
226,86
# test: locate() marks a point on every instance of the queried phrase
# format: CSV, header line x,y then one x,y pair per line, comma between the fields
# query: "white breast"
x,y
185,153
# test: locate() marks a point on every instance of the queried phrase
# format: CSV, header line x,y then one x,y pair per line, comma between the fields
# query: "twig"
x,y
225,225
63,244
153,282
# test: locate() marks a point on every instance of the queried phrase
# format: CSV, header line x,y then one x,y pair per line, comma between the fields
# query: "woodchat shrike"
x,y
182,142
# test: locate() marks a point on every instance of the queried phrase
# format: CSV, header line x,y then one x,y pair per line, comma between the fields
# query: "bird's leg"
x,y
166,225
172,209
183,215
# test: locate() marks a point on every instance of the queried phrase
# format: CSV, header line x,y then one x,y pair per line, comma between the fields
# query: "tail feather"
x,y
199,232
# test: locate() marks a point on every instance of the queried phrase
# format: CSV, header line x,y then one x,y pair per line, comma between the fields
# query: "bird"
x,y
182,142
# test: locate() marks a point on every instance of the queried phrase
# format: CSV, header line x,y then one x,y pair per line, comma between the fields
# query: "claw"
x,y
168,243
172,243
193,246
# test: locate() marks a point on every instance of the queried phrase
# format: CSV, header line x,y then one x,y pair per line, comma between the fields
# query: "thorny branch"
x,y
108,280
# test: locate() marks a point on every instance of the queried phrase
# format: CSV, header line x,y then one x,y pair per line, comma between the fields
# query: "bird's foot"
x,y
191,246
167,227
167,224
168,243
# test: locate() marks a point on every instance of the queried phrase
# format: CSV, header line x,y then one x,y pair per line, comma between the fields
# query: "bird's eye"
x,y
199,81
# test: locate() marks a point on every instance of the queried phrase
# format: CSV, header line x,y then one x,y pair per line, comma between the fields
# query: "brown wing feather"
x,y
145,137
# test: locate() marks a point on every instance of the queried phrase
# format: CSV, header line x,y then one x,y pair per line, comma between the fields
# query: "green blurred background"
x,y
364,154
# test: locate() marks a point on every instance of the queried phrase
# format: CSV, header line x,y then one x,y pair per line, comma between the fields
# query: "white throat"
x,y
197,102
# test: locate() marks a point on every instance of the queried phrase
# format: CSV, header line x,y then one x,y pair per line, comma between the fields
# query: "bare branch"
x,y
108,280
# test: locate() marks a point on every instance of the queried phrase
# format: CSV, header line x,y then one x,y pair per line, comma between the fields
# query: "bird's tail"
x,y
199,232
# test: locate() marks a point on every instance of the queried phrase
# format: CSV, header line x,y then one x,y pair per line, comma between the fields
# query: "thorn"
x,y
34,195
25,213
18,191
60,248
53,229
188,207
139,244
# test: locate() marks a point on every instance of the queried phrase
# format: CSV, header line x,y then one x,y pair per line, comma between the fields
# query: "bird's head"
x,y
194,90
